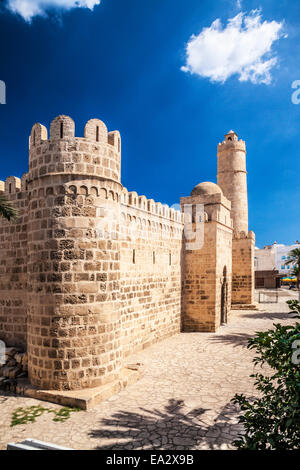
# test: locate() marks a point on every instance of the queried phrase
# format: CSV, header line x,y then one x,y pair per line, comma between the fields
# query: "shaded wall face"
x,y
223,274
243,270
150,279
13,272
205,260
199,284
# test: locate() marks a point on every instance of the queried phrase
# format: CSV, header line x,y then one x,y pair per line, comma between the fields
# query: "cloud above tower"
x,y
31,8
243,47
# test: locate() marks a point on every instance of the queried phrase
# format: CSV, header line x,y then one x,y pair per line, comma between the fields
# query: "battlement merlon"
x,y
141,203
96,155
243,235
11,185
63,128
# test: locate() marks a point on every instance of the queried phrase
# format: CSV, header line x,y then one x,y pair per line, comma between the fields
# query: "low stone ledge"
x,y
84,399
253,306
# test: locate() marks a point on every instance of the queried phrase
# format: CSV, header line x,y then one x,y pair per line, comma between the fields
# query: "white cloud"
x,y
243,48
30,8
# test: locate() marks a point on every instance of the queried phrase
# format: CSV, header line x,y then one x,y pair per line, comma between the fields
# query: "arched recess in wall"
x,y
60,190
103,193
83,190
111,195
94,191
49,191
72,189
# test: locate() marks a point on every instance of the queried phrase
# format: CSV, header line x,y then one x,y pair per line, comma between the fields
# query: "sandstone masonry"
x,y
91,272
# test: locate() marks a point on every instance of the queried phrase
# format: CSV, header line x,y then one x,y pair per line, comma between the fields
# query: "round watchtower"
x,y
73,326
232,178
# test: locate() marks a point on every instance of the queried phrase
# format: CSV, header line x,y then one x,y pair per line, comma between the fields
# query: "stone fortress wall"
x,y
91,273
150,271
76,286
13,265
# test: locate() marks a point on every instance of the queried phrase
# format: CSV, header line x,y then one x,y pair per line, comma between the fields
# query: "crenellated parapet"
x,y
150,215
232,142
243,235
132,199
146,219
11,185
97,154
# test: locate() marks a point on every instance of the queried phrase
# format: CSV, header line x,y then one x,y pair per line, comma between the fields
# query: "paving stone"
x,y
183,400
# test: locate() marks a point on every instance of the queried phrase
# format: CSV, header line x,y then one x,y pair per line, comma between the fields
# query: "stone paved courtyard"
x,y
181,402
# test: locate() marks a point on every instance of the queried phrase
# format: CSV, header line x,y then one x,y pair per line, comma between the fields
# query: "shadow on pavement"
x,y
235,339
173,428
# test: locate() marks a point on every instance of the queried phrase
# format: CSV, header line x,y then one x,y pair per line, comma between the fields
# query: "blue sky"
x,y
122,60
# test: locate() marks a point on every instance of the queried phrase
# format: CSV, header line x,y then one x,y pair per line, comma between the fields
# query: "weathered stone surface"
x,y
185,393
91,273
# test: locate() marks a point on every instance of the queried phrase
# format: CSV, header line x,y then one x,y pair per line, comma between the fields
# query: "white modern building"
x,y
274,257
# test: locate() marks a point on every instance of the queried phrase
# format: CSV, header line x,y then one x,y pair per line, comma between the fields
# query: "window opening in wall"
x,y
133,256
97,134
153,257
61,130
9,188
170,258
34,138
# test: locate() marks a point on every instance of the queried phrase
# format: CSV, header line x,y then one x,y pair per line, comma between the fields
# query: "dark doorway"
x,y
224,298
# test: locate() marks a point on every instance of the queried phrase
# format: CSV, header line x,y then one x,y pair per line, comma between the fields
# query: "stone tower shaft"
x,y
73,317
232,178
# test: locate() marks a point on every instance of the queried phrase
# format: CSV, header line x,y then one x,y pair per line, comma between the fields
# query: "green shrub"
x,y
272,421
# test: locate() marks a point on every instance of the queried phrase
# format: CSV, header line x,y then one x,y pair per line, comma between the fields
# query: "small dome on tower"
x,y
206,188
231,136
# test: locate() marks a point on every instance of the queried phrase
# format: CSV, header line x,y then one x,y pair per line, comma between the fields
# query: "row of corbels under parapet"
x,y
13,185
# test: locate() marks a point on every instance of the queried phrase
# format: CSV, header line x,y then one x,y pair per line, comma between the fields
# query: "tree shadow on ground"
x,y
269,316
238,339
174,428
